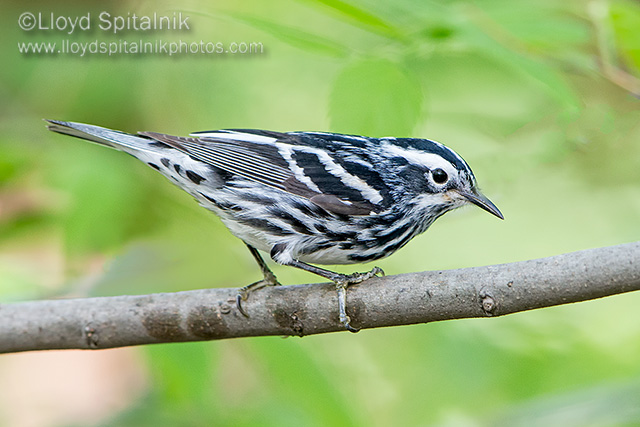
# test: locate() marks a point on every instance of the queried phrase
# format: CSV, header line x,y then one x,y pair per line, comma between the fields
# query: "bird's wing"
x,y
279,161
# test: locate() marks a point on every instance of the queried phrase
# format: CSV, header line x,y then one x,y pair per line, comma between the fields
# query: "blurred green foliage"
x,y
541,99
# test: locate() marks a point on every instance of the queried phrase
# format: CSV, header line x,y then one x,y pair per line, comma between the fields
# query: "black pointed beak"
x,y
481,201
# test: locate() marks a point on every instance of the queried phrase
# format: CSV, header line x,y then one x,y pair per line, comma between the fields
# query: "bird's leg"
x,y
342,281
269,279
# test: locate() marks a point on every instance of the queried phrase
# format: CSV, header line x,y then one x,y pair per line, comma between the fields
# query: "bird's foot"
x,y
243,293
355,278
344,280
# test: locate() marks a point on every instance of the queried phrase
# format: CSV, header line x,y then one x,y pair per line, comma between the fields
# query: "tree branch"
x,y
496,290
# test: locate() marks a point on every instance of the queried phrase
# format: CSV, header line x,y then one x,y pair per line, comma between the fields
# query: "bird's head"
x,y
435,176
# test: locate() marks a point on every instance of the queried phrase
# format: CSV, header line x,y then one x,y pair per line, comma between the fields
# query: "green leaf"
x,y
296,37
625,17
551,81
361,17
375,97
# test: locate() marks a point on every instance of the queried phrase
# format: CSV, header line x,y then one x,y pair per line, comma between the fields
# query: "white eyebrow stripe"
x,y
418,157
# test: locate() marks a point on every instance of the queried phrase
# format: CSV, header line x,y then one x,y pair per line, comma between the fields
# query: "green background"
x,y
541,98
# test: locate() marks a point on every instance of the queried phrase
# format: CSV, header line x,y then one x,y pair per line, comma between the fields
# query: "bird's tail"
x,y
111,138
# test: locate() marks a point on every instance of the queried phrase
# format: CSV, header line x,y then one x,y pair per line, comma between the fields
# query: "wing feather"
x,y
256,157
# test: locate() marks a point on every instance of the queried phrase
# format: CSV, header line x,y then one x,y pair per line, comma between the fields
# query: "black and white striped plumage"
x,y
308,197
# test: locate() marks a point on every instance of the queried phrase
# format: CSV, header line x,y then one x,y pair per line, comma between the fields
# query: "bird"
x,y
307,198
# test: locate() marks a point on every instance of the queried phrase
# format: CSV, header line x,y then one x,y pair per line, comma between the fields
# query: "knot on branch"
x,y
487,302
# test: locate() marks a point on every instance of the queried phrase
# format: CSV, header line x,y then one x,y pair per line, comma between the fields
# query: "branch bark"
x,y
495,290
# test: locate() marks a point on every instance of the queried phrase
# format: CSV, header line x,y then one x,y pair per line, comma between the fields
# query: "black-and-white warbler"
x,y
308,197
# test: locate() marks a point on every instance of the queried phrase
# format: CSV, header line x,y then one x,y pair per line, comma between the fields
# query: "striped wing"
x,y
279,161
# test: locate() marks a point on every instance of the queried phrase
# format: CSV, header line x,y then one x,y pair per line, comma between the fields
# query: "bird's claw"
x,y
243,293
241,296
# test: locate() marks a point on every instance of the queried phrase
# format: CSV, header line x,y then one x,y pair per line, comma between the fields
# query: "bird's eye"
x,y
439,176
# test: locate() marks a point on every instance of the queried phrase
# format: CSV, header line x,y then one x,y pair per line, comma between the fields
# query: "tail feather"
x,y
103,136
